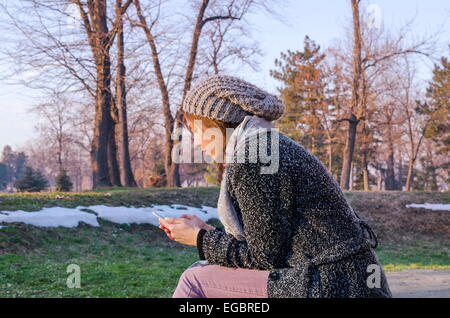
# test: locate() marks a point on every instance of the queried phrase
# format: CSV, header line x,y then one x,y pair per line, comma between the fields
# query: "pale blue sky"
x,y
322,20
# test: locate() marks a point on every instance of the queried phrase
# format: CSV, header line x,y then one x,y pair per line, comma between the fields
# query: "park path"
x,y
415,283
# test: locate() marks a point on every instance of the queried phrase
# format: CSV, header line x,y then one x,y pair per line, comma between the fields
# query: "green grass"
x,y
151,273
115,261
417,256
127,260
139,260
195,196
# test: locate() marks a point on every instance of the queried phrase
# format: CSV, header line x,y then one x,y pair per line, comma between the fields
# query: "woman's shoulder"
x,y
285,163
277,152
277,157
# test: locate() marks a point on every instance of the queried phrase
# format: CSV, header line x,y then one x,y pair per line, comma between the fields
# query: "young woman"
x,y
288,228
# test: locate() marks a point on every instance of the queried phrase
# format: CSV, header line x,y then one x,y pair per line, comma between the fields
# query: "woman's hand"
x,y
183,230
199,222
188,223
167,231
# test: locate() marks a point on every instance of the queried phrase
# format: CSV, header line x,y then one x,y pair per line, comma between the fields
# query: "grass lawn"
x,y
115,261
135,260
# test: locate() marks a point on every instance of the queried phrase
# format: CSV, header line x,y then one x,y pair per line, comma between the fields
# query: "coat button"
x,y
274,276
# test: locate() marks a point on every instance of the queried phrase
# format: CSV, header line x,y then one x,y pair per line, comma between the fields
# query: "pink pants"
x,y
201,280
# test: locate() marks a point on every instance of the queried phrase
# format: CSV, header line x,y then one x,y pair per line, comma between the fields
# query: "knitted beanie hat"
x,y
230,99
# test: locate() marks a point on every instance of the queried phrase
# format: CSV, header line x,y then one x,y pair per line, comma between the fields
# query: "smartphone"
x,y
158,215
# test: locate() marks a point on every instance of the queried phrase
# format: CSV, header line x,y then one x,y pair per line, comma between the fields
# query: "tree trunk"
x,y
357,75
103,126
351,177
60,151
390,172
330,156
113,164
409,177
127,177
364,151
103,121
348,152
172,169
103,152
400,174
365,173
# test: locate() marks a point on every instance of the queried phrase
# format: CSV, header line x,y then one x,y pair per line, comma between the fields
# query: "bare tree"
x,y
57,124
221,49
371,50
103,153
229,10
414,124
127,177
58,54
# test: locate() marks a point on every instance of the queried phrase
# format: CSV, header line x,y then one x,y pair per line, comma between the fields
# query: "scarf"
x,y
249,129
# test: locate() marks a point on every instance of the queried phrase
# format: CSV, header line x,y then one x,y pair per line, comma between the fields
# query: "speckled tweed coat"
x,y
298,225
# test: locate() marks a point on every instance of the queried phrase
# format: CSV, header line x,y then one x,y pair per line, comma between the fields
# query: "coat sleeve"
x,y
266,225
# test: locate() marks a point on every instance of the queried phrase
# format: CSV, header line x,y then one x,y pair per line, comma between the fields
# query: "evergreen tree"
x,y
14,164
63,183
8,160
307,94
20,165
3,176
32,181
438,108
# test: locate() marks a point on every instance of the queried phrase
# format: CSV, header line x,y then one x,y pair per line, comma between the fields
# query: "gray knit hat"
x,y
230,99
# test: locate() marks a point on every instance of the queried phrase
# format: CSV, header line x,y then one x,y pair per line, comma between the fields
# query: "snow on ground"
x,y
57,216
50,217
430,206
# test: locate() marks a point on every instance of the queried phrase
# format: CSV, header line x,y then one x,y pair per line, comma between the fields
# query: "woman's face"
x,y
203,137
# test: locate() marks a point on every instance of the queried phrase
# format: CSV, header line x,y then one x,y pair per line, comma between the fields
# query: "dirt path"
x,y
418,283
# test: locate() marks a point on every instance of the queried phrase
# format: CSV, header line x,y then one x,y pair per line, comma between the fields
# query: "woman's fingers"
x,y
173,220
169,234
181,230
167,231
165,223
163,227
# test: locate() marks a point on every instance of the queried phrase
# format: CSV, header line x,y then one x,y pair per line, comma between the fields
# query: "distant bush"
x,y
63,183
32,181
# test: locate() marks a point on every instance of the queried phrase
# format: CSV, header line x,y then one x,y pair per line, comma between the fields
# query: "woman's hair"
x,y
210,123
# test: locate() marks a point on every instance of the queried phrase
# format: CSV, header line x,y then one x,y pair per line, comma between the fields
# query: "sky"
x,y
322,20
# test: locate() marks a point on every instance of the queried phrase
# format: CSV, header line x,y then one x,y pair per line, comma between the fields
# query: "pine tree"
x,y
3,176
32,181
438,108
63,183
307,95
15,163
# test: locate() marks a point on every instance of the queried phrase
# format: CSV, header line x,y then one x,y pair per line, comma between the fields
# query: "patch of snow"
x,y
57,216
430,206
127,215
50,217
